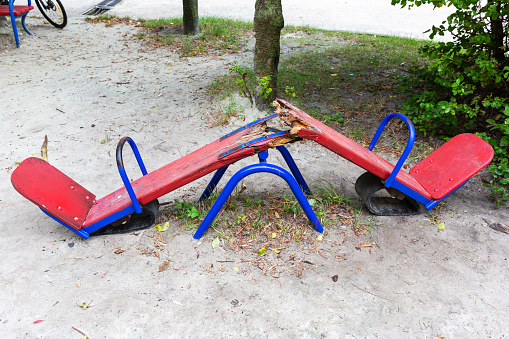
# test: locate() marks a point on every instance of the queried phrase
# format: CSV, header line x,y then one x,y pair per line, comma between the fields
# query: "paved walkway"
x,y
369,16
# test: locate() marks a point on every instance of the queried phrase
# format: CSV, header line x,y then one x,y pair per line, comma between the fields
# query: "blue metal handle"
x,y
121,169
408,148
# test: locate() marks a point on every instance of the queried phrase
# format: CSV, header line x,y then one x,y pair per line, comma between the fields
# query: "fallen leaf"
x,y
236,269
275,251
44,149
359,269
163,228
118,251
83,305
441,226
277,214
499,227
215,242
319,238
261,251
274,235
164,266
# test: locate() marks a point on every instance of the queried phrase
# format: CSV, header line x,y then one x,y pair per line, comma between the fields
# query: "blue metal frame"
x,y
82,233
408,148
135,207
13,21
121,169
246,171
262,156
391,181
294,169
85,232
213,183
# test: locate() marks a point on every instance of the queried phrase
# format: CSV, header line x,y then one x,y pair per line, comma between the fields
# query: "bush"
x,y
466,85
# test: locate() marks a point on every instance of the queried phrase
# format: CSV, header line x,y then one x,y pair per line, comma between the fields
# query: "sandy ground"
x,y
85,83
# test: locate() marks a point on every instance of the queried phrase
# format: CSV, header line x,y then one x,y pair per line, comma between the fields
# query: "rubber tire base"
x,y
368,184
137,222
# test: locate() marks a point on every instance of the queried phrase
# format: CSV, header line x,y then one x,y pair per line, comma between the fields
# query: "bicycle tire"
x,y
53,11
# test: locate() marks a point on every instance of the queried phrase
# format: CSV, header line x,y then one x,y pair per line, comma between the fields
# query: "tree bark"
x,y
497,31
268,22
190,18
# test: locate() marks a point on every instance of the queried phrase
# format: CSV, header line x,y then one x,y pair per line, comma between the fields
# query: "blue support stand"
x,y
297,185
23,17
262,156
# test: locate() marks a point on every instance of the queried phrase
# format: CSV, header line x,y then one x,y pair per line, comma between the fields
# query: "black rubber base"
x,y
136,222
368,184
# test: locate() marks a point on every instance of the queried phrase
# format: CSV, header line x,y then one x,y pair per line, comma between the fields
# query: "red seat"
x,y
17,10
444,170
53,191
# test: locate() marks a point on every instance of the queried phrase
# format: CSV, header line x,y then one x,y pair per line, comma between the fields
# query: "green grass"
x,y
263,217
347,80
362,63
217,35
231,108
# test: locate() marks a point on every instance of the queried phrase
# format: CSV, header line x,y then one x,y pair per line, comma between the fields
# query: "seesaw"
x,y
429,182
134,206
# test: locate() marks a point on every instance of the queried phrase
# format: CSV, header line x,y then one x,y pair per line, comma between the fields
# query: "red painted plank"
x,y
444,170
351,150
53,191
176,174
18,10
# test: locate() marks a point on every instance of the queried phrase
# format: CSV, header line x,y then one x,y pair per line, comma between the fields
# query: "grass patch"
x,y
217,35
230,108
250,220
347,80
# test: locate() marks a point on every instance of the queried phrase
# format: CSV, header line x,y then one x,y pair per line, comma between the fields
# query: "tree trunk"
x,y
498,34
268,22
190,18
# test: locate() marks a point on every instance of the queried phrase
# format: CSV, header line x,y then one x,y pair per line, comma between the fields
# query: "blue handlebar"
x,y
408,148
121,169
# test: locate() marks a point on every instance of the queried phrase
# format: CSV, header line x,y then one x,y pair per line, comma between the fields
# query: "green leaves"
x,y
264,84
193,213
465,86
186,210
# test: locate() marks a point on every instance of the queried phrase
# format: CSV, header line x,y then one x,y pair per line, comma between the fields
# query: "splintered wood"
x,y
287,118
290,120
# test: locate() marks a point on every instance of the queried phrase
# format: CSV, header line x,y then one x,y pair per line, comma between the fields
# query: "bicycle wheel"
x,y
53,11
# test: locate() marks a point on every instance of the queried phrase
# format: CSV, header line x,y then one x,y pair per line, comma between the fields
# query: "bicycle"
x,y
53,11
